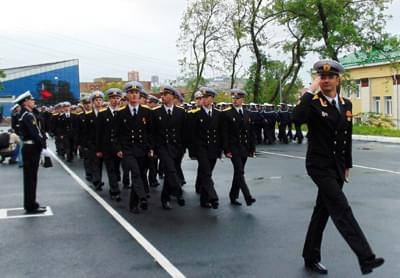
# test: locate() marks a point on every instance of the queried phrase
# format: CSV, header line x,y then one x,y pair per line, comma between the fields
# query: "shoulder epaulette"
x,y
344,99
54,114
315,97
103,109
121,108
194,110
227,109
217,109
156,108
88,112
79,113
145,106
180,107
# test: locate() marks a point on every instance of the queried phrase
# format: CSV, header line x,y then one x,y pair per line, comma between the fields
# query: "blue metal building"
x,y
48,83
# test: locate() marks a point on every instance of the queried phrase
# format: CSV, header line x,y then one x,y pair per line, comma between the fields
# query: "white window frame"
x,y
377,104
388,105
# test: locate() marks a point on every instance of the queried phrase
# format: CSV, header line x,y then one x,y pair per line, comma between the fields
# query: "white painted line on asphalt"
x,y
354,165
158,257
4,213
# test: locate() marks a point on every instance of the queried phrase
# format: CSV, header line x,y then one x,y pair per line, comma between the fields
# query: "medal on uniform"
x,y
144,120
324,114
234,119
159,118
349,115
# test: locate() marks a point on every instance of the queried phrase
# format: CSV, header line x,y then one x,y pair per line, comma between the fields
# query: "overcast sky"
x,y
108,37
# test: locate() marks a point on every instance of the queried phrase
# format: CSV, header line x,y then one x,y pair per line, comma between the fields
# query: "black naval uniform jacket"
x,y
238,133
30,129
329,134
105,132
169,132
134,133
88,131
65,125
207,133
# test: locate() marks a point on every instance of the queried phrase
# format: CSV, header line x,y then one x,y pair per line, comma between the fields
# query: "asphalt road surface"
x,y
84,239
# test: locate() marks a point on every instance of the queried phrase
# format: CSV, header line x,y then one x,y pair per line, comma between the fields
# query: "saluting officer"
x,y
34,142
206,140
134,144
168,123
239,143
329,159
105,141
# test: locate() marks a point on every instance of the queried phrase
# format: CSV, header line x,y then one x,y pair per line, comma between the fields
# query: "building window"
x,y
388,105
377,105
364,82
396,79
357,89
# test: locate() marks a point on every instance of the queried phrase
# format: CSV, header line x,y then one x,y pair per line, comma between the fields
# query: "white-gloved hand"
x,y
46,152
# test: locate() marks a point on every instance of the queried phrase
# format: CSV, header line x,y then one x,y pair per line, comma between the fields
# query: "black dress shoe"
x,y
135,210
235,203
181,202
250,201
316,267
206,205
166,205
368,265
215,204
115,197
35,211
143,204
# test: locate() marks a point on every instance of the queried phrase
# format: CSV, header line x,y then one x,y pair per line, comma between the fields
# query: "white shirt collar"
x,y
131,107
238,109
336,98
207,110
169,108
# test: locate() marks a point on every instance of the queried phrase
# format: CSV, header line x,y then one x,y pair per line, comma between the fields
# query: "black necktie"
x,y
334,104
134,112
209,113
241,113
169,112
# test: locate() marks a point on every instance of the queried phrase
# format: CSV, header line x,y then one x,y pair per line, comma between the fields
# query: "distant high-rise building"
x,y
133,75
155,79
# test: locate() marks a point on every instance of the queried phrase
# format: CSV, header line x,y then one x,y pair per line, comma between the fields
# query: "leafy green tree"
x,y
271,81
202,32
333,27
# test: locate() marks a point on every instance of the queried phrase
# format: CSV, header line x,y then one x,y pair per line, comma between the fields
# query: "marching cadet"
x,y
283,121
290,122
34,142
91,117
258,122
134,142
65,131
54,128
270,117
79,139
146,162
198,96
168,126
153,103
105,138
238,143
178,101
206,140
329,159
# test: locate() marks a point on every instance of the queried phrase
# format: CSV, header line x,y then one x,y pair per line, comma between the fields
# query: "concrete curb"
x,y
381,139
366,138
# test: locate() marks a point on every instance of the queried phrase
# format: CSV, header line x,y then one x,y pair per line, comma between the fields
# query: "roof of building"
x,y
19,72
363,58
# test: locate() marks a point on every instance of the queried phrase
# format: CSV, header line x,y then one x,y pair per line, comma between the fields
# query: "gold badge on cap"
x,y
326,67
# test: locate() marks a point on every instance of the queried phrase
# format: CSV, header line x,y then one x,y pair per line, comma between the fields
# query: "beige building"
x,y
376,77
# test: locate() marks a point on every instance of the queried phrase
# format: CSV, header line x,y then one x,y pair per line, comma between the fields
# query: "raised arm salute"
x,y
329,119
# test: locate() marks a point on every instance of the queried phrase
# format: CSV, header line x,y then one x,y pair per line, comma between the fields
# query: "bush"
x,y
374,120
